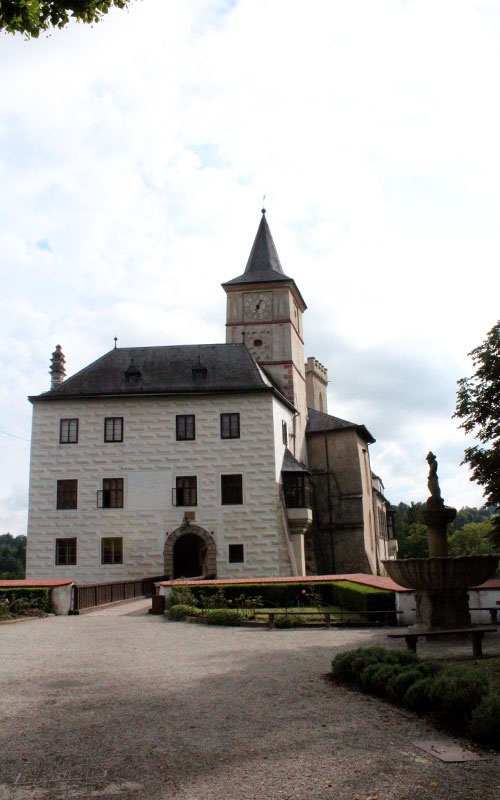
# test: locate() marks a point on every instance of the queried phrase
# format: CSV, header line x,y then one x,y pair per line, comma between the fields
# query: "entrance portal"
x,y
190,553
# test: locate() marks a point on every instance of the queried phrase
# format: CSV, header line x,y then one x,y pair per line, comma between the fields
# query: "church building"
x,y
210,460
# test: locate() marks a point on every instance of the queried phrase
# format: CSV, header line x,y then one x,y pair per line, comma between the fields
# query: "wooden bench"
x,y
476,632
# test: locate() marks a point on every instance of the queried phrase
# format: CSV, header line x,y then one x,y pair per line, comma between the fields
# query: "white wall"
x,y
149,459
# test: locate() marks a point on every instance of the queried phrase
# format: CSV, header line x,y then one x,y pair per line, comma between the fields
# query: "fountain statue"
x,y
440,582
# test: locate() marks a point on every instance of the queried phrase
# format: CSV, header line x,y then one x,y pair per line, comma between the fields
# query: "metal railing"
x,y
101,594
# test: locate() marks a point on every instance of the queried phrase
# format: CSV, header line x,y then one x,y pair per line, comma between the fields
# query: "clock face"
x,y
257,305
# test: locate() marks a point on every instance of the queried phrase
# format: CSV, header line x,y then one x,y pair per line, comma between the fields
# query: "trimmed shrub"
x,y
375,677
181,611
456,694
485,722
399,684
419,695
223,616
288,620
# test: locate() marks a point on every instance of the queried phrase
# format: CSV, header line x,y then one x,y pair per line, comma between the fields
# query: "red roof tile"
x,y
376,581
32,583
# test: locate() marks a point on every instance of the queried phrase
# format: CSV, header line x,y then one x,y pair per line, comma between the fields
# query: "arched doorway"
x,y
190,553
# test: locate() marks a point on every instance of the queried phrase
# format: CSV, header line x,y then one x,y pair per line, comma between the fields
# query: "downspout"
x,y
330,509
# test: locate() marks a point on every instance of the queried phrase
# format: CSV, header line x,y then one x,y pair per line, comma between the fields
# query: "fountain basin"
x,y
438,574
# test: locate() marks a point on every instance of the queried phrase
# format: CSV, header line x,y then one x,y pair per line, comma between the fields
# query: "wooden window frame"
x,y
66,551
68,431
112,550
67,494
230,425
231,489
113,429
185,427
186,490
111,495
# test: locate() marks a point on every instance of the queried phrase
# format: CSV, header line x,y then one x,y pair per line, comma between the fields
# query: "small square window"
x,y
68,431
184,427
231,490
111,495
229,426
66,551
236,554
67,494
186,492
113,429
112,550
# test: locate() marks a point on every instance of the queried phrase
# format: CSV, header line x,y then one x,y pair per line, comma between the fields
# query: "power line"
x,y
14,437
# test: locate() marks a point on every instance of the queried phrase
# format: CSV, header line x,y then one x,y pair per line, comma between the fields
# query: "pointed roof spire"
x,y
263,263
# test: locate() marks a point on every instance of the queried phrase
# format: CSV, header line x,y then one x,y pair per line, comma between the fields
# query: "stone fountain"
x,y
440,582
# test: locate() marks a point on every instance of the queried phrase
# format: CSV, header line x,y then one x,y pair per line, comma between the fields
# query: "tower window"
x,y
257,343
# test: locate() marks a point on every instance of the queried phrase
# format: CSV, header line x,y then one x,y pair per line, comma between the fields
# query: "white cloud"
x,y
135,155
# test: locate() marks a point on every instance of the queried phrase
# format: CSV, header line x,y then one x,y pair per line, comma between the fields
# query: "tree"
x,y
12,556
478,406
30,17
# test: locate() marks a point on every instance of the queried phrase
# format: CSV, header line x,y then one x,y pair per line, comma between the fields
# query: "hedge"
x,y
22,597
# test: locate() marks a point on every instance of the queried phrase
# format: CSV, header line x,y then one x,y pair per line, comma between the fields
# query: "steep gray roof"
x,y
290,463
263,264
319,423
176,369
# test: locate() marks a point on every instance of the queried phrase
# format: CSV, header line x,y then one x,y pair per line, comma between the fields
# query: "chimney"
x,y
57,369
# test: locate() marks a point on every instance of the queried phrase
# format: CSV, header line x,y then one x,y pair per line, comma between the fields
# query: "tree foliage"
x,y
12,556
478,406
31,17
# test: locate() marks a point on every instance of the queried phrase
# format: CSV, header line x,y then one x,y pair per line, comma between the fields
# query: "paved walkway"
x,y
121,704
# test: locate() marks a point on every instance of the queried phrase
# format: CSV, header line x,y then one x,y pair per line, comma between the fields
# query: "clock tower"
x,y
264,310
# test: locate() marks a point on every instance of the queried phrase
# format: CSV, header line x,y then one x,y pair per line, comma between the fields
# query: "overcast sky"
x,y
134,156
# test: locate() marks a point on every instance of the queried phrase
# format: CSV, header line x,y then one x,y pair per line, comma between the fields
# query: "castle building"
x,y
210,460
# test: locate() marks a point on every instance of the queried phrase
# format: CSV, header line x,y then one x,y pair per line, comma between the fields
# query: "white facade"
x,y
150,459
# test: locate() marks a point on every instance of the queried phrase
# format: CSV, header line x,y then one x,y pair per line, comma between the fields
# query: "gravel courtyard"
x,y
122,704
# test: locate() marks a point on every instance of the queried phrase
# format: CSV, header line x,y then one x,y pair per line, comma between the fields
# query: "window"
x,y
111,495
296,489
68,431
113,429
66,551
112,550
67,494
284,432
184,427
236,554
231,490
229,426
185,492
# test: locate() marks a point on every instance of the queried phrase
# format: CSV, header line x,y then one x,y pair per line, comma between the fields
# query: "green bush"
x,y
182,596
181,611
223,616
419,695
375,677
399,684
25,601
485,722
456,694
288,620
288,595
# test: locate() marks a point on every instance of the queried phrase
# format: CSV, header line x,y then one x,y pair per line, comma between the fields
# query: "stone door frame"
x,y
196,530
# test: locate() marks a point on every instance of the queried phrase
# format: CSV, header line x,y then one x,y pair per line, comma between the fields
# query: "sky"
x,y
134,158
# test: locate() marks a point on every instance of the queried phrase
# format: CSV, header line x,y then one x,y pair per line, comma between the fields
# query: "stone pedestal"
x,y
437,520
442,609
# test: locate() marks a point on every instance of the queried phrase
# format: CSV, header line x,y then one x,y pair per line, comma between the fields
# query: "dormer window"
x,y
199,374
132,374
